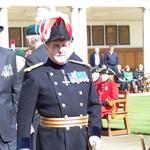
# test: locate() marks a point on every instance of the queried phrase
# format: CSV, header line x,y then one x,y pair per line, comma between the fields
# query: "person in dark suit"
x,y
63,93
9,95
138,77
119,78
96,59
111,58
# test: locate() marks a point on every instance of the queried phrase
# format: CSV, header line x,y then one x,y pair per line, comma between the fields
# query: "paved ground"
x,y
124,142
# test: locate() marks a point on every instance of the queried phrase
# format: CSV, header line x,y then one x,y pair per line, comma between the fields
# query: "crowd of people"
x,y
128,80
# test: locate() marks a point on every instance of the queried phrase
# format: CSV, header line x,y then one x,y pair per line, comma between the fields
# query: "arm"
x,y
26,108
105,59
101,60
16,84
94,111
117,59
114,91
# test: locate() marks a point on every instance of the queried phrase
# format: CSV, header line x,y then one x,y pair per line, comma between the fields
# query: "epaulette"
x,y
80,63
33,67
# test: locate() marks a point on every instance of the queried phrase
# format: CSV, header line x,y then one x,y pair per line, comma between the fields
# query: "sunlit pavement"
x,y
124,142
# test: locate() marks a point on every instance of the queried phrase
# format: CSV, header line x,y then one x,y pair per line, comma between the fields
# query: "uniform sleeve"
x,y
105,59
26,108
114,91
117,59
16,84
28,62
94,111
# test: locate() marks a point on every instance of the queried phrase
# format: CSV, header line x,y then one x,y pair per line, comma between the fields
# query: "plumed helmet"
x,y
56,28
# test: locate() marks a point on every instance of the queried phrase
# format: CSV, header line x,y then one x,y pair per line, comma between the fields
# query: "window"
x,y
15,33
124,35
98,35
111,34
24,37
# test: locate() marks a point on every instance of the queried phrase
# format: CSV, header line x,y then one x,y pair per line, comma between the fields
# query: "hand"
x,y
95,142
105,103
32,129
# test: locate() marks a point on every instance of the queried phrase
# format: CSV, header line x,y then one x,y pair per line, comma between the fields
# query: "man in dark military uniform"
x,y
9,95
63,93
38,55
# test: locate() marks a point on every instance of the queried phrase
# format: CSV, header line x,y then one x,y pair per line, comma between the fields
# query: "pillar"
x,y
78,21
4,42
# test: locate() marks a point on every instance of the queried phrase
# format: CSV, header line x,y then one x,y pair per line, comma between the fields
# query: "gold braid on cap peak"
x,y
80,63
33,67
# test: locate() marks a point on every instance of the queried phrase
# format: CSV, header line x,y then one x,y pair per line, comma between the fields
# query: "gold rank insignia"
x,y
80,63
33,67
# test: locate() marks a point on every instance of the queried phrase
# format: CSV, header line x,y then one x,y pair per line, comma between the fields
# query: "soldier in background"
x,y
38,55
9,95
34,41
63,93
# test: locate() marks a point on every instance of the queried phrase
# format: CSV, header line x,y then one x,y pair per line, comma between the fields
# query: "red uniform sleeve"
x,y
113,91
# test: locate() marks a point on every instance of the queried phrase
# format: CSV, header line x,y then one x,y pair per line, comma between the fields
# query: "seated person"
x,y
138,76
120,78
129,78
107,90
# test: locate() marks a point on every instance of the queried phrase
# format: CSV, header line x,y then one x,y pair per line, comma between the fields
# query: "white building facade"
x,y
95,14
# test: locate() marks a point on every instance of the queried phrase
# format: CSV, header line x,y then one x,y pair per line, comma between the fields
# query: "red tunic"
x,y
106,90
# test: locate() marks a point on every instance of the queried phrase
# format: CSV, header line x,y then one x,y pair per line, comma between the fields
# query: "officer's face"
x,y
59,51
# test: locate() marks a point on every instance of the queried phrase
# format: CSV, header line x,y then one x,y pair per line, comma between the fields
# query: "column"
x,y
146,40
4,42
78,21
83,34
75,30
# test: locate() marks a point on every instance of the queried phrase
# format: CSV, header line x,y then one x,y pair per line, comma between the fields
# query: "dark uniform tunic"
x,y
46,88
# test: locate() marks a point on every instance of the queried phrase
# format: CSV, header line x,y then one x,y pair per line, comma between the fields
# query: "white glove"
x,y
95,142
32,129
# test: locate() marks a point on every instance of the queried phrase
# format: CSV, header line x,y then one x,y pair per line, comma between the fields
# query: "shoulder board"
x,y
80,63
33,67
